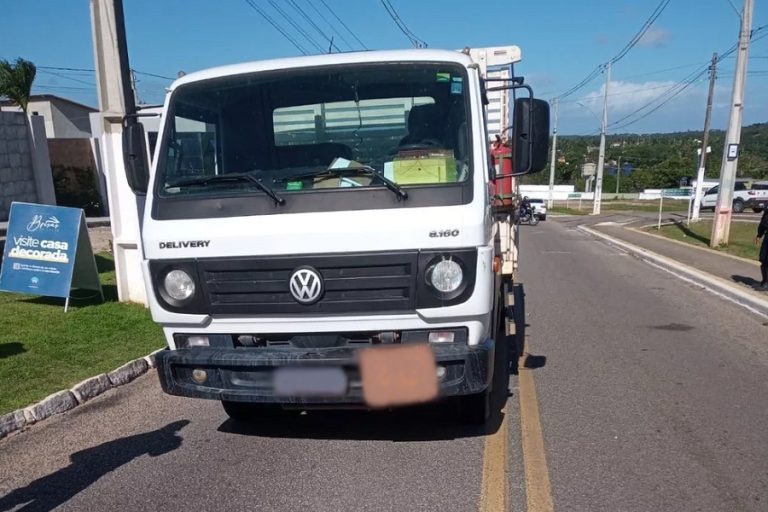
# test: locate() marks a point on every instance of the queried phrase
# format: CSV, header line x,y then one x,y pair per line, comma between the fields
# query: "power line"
x,y
276,26
296,26
657,107
591,76
343,24
640,33
88,70
675,89
313,24
60,75
659,71
683,85
338,33
415,41
62,87
631,44
152,75
626,93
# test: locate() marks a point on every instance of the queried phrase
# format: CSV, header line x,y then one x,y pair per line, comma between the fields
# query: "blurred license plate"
x,y
398,375
308,381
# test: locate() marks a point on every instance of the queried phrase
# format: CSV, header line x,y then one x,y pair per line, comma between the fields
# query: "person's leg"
x,y
764,262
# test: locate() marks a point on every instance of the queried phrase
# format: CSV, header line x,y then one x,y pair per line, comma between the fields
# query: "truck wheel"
x,y
738,206
757,210
474,409
244,411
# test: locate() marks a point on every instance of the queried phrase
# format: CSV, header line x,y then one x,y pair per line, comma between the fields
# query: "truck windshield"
x,y
405,121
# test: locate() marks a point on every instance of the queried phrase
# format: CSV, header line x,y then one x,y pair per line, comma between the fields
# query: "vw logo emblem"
x,y
306,285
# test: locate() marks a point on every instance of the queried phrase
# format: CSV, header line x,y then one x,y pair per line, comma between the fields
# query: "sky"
x,y
562,42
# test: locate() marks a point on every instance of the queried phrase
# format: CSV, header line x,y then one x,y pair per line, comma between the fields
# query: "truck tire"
x,y
474,409
738,206
757,210
244,411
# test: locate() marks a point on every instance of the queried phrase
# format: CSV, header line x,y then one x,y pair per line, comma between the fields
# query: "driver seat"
x,y
425,122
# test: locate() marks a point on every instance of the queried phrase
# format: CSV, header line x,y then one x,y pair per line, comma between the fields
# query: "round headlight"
x,y
179,285
446,276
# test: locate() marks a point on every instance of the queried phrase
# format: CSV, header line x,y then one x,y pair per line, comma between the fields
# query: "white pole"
x,y
705,139
553,158
661,202
601,156
690,203
722,222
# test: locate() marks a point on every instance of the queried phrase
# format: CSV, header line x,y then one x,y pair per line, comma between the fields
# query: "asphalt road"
x,y
654,394
651,394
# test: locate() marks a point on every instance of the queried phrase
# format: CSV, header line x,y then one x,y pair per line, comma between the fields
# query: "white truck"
x,y
319,231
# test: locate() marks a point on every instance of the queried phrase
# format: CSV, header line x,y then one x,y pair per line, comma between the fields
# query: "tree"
x,y
16,81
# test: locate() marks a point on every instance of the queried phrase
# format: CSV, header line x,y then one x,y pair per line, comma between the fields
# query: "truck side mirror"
x,y
135,157
531,135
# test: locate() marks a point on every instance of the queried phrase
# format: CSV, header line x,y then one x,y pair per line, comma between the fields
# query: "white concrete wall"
x,y
542,191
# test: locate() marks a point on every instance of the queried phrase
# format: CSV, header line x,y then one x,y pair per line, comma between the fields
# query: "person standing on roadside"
x,y
762,232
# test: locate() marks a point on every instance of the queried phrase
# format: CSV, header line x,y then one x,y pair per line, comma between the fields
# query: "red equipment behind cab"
x,y
501,156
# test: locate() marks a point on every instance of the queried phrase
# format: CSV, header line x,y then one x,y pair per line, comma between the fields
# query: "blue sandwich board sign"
x,y
48,252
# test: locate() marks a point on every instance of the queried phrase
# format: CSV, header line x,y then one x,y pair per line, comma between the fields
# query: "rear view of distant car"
x,y
539,208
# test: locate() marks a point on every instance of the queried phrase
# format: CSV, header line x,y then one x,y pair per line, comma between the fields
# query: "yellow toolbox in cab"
x,y
424,166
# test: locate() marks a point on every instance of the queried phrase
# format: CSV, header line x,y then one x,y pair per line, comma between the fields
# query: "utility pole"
x,y
135,89
618,175
601,157
705,140
113,79
722,224
553,158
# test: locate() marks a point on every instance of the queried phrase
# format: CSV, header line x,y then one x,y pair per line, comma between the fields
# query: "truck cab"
x,y
314,225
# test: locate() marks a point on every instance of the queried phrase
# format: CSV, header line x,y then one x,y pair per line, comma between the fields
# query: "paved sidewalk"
x,y
741,273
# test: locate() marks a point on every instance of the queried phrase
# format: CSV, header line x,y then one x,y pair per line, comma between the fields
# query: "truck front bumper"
x,y
246,375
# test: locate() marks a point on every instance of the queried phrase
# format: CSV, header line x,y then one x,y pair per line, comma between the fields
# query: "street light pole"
x,y
722,222
601,157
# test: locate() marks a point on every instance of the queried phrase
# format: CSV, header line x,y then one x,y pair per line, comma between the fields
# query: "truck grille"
x,y
354,283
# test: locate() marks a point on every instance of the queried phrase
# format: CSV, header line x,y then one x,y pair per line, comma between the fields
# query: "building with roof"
x,y
64,118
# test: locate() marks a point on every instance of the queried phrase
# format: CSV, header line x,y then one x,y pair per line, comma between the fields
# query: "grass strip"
x,y
742,236
44,350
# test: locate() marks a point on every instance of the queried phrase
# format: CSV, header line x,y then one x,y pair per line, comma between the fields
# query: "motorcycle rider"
x,y
525,207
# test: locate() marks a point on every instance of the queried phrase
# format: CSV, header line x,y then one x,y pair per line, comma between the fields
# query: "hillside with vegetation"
x,y
657,160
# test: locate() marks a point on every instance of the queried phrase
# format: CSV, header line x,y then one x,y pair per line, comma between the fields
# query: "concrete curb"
x,y
80,393
713,283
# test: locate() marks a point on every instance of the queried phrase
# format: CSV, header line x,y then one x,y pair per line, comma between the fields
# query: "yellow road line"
x,y
493,490
537,486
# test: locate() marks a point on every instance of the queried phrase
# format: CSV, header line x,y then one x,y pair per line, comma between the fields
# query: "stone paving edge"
x,y
68,399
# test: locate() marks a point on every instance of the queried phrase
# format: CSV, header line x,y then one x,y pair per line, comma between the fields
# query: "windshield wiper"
x,y
223,178
365,170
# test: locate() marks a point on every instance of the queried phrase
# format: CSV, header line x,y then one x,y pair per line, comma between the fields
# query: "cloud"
x,y
684,112
624,97
655,37
602,39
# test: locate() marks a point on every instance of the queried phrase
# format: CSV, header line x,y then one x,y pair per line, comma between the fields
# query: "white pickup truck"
x,y
745,195
319,231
